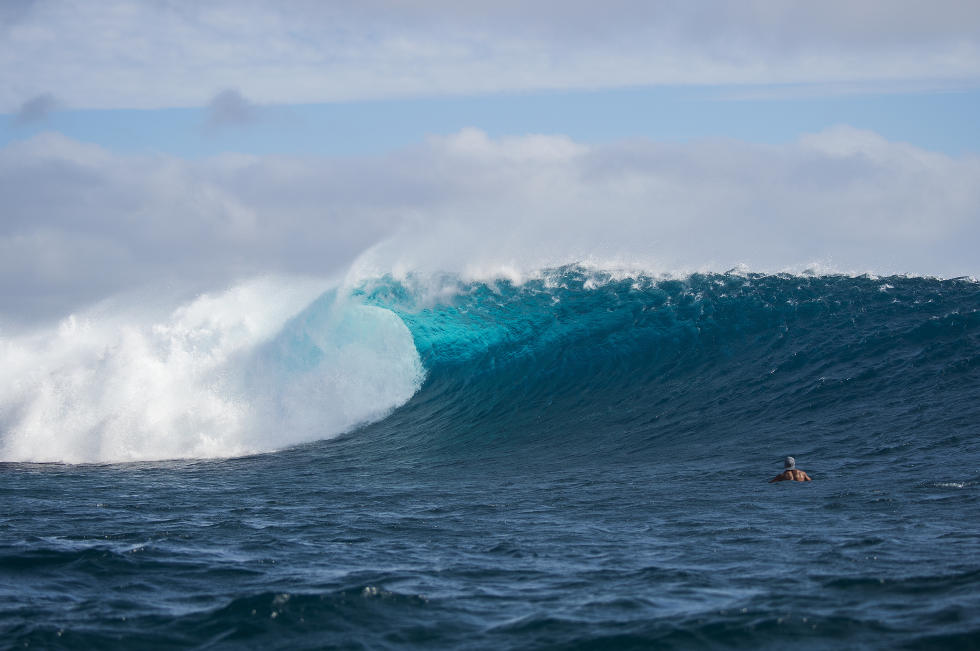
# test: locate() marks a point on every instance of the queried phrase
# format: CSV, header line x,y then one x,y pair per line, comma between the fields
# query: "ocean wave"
x,y
437,359
625,358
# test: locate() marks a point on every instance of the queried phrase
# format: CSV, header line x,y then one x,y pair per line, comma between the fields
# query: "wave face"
x,y
589,363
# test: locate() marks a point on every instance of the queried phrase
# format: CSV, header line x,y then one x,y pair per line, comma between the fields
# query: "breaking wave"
x,y
619,362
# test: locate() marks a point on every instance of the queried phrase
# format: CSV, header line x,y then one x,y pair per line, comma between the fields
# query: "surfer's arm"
x,y
777,478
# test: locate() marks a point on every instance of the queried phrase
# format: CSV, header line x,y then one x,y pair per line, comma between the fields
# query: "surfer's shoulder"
x,y
791,472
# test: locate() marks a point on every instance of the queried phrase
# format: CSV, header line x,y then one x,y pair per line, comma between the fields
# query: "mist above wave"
x,y
466,202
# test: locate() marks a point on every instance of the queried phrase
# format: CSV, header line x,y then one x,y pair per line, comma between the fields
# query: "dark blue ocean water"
x,y
585,466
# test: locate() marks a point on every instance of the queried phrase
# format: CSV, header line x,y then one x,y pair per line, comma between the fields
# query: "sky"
x,y
183,147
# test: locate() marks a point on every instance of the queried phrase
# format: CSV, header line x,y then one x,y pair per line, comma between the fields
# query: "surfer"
x,y
791,472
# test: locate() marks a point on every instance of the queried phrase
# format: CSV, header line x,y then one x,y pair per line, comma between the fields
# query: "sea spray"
x,y
205,381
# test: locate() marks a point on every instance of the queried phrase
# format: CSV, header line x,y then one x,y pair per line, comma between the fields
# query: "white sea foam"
x,y
954,484
206,381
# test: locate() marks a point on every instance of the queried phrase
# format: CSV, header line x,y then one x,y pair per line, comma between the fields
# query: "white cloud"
x,y
152,54
80,223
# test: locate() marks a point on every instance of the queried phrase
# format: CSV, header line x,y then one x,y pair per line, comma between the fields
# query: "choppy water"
x,y
582,464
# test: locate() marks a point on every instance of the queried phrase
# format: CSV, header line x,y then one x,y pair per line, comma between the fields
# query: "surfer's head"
x,y
789,463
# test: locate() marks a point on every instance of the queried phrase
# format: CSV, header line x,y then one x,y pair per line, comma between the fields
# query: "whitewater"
x,y
236,373
573,457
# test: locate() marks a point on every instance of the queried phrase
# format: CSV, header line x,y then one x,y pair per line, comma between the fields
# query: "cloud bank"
x,y
121,54
82,223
